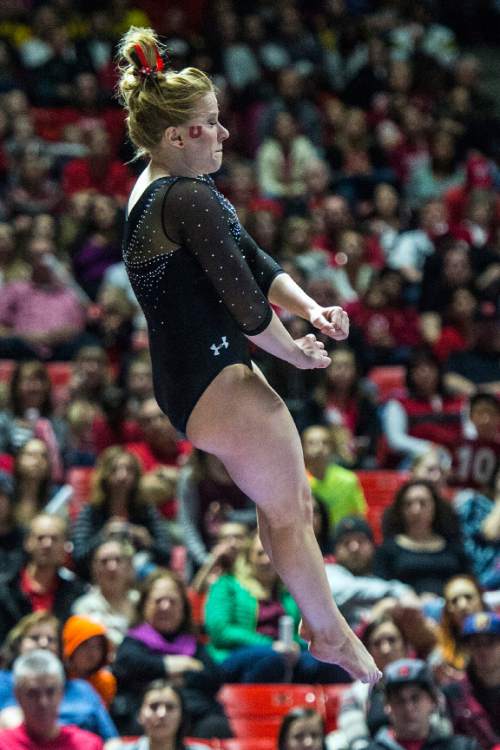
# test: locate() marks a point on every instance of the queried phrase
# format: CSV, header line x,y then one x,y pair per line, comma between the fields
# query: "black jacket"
x,y
14,604
136,665
435,741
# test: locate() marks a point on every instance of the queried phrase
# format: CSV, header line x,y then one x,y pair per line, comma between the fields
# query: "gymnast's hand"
x,y
332,321
311,353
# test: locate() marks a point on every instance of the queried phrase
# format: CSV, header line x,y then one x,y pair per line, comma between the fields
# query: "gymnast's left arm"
x,y
283,291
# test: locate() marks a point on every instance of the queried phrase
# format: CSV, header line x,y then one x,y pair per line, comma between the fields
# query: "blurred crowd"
x,y
365,157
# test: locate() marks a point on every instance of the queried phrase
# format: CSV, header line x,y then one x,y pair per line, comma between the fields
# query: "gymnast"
x,y
205,288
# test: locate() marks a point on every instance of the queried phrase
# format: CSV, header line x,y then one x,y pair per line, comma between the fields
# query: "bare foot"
x,y
347,651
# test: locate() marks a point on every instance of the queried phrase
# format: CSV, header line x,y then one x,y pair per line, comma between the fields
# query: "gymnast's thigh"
x,y
245,423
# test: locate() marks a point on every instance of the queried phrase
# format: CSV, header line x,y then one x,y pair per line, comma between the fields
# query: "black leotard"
x,y
202,295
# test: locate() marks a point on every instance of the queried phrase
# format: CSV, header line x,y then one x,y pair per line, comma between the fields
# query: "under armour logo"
x,y
223,345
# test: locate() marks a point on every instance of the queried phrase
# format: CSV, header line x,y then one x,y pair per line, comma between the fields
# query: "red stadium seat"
x,y
251,726
379,488
247,743
257,710
332,695
264,701
389,381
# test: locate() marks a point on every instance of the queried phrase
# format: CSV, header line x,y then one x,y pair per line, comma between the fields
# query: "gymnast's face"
x,y
202,137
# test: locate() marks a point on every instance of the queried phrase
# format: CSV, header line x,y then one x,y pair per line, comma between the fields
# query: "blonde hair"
x,y
157,101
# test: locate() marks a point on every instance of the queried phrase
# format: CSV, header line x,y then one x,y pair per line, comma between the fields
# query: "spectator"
x,y
117,510
97,247
30,412
43,582
160,445
351,577
462,597
362,712
347,404
11,533
411,698
302,728
112,597
162,645
421,544
473,700
281,160
476,455
39,684
413,246
91,374
479,516
163,719
111,425
34,489
98,172
242,620
86,654
231,540
387,327
80,703
429,415
42,318
479,366
338,488
208,497
432,179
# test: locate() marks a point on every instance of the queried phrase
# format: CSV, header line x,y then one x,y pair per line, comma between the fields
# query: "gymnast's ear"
x,y
172,136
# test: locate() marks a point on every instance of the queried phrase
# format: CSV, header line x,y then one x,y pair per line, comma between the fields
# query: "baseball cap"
x,y
352,525
408,672
482,623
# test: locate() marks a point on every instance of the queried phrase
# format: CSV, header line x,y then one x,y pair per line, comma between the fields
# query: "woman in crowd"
x,y
112,597
243,617
117,510
80,704
427,416
163,719
421,544
207,498
462,597
33,482
347,405
31,414
302,729
162,645
361,712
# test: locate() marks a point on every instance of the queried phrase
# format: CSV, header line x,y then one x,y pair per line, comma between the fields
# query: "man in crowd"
x,y
38,684
411,699
43,582
356,589
474,700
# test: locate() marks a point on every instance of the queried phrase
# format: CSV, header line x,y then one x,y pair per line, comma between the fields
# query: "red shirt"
x,y
150,460
475,462
38,600
117,180
69,738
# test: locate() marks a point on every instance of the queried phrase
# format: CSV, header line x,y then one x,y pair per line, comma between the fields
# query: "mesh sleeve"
x,y
262,265
195,218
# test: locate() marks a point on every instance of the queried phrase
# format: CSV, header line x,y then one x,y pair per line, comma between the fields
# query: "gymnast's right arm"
x,y
194,218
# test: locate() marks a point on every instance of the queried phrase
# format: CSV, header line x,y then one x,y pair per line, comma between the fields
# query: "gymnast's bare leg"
x,y
244,422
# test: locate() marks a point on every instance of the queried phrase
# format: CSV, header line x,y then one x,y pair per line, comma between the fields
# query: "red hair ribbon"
x,y
144,67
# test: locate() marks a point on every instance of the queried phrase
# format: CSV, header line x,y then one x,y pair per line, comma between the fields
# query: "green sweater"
x,y
231,613
341,492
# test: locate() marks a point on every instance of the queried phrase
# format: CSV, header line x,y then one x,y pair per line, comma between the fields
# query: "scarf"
x,y
182,645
